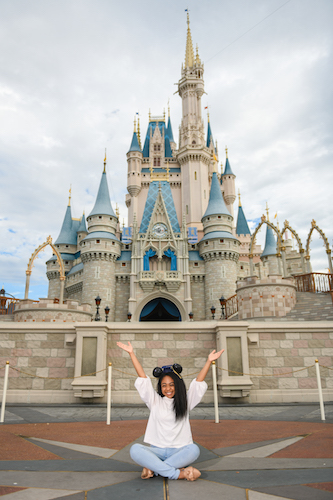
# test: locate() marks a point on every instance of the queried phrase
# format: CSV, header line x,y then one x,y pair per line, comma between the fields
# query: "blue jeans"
x,y
164,461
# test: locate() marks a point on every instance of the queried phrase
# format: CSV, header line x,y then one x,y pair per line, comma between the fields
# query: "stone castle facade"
x,y
183,247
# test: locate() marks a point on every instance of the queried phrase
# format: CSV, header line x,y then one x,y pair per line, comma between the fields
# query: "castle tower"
x,y
219,249
193,155
99,251
67,246
82,230
228,185
134,164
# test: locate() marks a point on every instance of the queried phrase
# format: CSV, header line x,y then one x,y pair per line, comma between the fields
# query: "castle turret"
x,y
67,245
228,185
219,249
134,165
269,255
100,249
82,230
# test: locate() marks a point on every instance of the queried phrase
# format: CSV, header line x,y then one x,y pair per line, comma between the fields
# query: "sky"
x,y
74,73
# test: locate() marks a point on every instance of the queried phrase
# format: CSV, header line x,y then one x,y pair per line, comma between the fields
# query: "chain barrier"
x,y
184,376
272,375
55,378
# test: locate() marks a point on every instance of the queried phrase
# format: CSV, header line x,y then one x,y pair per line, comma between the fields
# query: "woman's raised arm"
x,y
212,357
136,363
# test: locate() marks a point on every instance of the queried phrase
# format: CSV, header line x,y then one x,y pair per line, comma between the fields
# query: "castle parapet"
x,y
267,297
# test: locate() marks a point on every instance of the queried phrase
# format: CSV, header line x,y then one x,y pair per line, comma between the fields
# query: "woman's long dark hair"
x,y
180,399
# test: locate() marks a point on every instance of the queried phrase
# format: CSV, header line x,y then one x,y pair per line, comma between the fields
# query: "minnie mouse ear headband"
x,y
177,369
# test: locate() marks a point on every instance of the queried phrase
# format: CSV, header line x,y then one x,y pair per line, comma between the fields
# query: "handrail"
x,y
314,282
231,306
8,309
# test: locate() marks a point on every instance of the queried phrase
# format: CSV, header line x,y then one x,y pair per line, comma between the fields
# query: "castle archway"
x,y
160,306
160,309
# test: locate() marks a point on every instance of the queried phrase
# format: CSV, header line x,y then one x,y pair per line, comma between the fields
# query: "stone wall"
x,y
198,297
122,296
281,357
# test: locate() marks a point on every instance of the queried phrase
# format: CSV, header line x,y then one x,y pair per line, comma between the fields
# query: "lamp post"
x,y
98,301
106,310
129,316
212,310
223,306
190,315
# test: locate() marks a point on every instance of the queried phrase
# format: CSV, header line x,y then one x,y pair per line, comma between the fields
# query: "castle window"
x,y
99,216
196,264
67,246
127,247
219,216
157,147
157,162
206,242
123,264
66,262
221,241
242,267
186,209
193,246
193,142
195,176
113,243
98,241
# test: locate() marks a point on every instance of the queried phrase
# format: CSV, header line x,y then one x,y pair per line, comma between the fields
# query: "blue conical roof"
x,y
209,136
103,202
67,235
82,226
169,131
216,205
227,169
242,225
135,143
270,243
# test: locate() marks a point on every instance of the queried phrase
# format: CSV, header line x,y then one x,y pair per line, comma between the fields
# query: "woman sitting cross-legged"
x,y
168,430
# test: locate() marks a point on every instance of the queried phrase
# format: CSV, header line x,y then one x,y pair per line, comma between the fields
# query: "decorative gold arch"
x,y
326,244
60,262
288,227
261,223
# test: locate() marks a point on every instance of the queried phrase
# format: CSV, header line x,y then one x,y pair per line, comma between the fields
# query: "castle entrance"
x,y
160,309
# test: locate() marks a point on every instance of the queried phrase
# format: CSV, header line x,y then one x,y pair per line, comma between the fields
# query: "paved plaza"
x,y
256,452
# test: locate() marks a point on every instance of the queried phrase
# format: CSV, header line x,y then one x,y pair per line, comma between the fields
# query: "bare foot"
x,y
190,473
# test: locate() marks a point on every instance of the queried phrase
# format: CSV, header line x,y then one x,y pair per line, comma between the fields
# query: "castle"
x,y
183,246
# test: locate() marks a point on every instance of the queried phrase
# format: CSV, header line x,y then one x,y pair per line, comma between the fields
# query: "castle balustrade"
x,y
314,282
171,279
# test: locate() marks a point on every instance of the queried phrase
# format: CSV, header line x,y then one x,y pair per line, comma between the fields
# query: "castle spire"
x,y
139,137
242,226
70,196
189,54
103,203
104,162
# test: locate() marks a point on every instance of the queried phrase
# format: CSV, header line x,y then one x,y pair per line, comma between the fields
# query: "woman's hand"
x,y
128,348
214,355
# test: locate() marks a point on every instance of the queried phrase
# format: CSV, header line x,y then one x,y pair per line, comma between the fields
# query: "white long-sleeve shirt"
x,y
163,430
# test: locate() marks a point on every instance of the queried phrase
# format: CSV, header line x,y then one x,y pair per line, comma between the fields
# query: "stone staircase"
x,y
309,307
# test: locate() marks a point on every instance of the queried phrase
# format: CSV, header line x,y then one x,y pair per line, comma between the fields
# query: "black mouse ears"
x,y
157,372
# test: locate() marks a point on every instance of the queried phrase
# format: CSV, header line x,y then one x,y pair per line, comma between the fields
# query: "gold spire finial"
x,y
239,203
139,137
267,211
104,162
208,115
149,116
189,55
135,124
117,210
226,152
70,196
221,168
164,114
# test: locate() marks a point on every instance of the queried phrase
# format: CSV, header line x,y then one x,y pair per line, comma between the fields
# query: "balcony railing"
x,y
314,282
